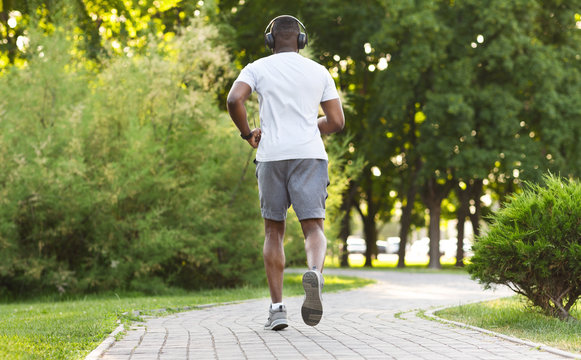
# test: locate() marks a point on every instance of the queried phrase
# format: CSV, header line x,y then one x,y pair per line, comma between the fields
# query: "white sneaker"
x,y
276,318
312,309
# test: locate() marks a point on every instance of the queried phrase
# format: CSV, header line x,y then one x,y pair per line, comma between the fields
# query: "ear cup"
x,y
302,40
269,40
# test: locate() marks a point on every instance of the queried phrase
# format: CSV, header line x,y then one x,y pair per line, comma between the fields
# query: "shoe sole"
x,y
312,309
277,325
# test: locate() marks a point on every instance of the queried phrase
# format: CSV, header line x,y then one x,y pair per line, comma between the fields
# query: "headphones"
x,y
269,38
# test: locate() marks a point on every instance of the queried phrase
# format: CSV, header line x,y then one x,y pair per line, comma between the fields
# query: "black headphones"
x,y
302,40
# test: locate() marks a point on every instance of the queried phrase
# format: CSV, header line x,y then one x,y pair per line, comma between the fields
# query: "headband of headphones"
x,y
269,38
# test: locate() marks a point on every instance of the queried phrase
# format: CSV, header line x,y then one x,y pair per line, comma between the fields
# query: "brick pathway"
x,y
375,322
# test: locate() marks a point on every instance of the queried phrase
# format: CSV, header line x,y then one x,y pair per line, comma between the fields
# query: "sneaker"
x,y
312,309
276,318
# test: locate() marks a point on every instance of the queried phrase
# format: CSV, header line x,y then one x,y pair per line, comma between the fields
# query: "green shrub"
x,y
126,176
534,246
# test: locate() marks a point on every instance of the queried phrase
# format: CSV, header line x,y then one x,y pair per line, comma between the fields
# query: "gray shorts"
x,y
301,183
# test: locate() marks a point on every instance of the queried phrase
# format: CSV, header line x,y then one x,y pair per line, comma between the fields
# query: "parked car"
x,y
420,247
450,247
392,245
381,247
356,245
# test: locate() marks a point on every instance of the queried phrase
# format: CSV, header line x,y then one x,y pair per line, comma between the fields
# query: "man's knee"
x,y
274,230
312,225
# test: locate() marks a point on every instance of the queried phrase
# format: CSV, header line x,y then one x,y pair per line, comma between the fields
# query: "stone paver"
x,y
375,322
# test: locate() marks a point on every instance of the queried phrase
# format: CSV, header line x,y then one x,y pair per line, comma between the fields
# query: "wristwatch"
x,y
246,137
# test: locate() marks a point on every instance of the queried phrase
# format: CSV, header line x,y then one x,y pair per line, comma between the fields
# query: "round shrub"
x,y
533,246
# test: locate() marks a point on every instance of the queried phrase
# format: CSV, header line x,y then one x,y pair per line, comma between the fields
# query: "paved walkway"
x,y
376,322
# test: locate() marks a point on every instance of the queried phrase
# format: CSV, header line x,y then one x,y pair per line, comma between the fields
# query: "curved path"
x,y
375,322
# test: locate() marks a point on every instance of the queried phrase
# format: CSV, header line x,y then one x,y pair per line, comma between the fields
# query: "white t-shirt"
x,y
290,88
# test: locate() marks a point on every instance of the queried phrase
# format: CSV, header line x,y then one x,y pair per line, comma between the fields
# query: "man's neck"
x,y
286,49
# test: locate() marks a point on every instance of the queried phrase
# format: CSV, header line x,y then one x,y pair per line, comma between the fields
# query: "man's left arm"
x,y
239,93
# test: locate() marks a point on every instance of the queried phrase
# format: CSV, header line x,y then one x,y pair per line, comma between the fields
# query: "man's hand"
x,y
255,139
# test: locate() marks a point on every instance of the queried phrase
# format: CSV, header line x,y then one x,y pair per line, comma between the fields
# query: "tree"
x,y
101,28
342,31
462,77
414,41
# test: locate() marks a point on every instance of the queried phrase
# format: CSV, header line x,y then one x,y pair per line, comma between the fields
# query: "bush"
x,y
534,246
126,176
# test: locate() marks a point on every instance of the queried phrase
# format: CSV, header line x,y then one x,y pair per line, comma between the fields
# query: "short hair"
x,y
285,27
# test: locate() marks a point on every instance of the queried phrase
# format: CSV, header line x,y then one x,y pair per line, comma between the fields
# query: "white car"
x,y
356,245
392,245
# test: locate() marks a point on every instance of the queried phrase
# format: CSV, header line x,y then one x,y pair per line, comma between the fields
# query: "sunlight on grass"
x,y
513,316
294,283
389,261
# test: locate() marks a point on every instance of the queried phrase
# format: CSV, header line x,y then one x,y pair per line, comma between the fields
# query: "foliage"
x,y
464,98
434,92
127,178
98,29
534,245
342,170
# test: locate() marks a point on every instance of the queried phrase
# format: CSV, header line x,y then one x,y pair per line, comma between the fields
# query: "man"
x,y
291,158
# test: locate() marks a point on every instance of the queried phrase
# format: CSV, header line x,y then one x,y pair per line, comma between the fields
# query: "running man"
x,y
291,161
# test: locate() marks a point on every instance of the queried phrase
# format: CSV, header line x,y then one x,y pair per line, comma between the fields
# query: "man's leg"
x,y
315,242
315,247
274,259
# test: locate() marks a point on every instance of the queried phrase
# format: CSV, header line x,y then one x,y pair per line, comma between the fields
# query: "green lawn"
x,y
511,316
70,329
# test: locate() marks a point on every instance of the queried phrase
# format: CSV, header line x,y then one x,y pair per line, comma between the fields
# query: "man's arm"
x,y
239,93
334,119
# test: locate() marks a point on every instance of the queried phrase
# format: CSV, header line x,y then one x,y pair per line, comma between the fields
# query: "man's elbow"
x,y
339,123
232,101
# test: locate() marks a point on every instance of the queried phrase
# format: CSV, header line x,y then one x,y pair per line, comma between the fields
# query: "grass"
x,y
512,316
53,328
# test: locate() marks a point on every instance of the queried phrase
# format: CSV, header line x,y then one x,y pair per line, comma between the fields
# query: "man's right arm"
x,y
239,93
334,119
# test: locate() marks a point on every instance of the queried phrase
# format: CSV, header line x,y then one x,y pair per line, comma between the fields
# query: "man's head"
x,y
285,28
285,31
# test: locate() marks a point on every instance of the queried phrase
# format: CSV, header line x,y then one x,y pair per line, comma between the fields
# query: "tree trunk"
x,y
460,242
345,229
370,234
461,214
369,226
434,229
433,194
370,231
475,194
406,215
405,222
